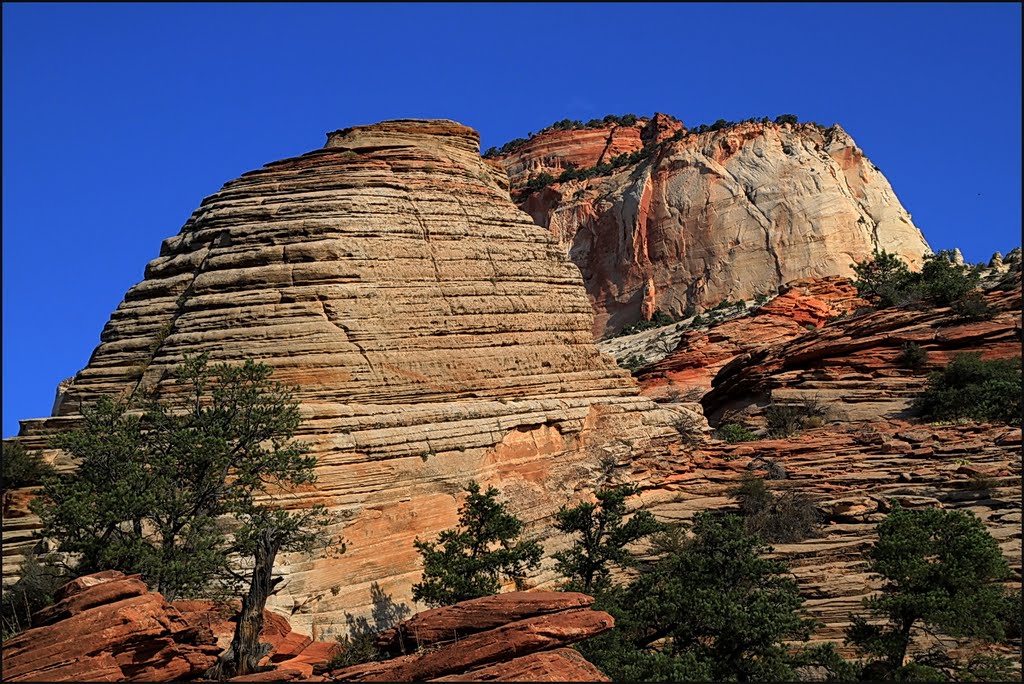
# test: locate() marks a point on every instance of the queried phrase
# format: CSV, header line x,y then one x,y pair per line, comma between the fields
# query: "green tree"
x,y
883,279
35,588
470,561
945,282
601,538
157,478
941,571
711,607
972,388
21,468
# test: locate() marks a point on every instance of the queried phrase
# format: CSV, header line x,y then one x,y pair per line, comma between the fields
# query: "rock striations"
x,y
726,214
434,333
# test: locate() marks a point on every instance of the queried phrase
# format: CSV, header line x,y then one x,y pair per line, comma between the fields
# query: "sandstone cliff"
x,y
725,214
434,333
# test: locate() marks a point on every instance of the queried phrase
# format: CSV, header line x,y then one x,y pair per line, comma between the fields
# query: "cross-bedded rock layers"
x,y
433,332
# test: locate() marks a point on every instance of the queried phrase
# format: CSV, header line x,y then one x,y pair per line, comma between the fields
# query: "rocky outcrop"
x,y
433,332
452,623
107,627
701,353
727,214
517,636
854,473
868,456
291,654
853,366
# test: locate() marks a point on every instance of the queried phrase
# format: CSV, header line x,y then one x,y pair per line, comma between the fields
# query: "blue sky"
x,y
118,119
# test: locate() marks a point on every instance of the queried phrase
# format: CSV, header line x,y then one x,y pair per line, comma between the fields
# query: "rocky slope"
x,y
854,472
726,214
852,367
109,627
868,454
433,332
700,353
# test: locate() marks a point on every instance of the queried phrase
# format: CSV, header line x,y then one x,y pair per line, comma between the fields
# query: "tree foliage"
x,y
175,488
941,571
976,389
712,607
22,468
471,560
601,538
882,279
886,281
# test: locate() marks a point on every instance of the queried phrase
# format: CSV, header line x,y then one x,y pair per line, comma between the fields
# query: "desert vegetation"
x,y
158,479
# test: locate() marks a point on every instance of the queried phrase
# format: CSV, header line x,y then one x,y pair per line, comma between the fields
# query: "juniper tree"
x,y
601,538
471,560
175,487
941,571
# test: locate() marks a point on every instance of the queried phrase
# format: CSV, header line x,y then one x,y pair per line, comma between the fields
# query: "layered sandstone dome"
x,y
727,214
433,332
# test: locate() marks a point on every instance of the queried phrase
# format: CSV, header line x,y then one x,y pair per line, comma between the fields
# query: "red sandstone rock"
x,y
105,630
484,648
455,622
559,665
700,354
852,366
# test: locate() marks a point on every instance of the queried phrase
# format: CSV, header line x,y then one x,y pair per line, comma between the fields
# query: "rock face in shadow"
x,y
727,214
518,636
433,332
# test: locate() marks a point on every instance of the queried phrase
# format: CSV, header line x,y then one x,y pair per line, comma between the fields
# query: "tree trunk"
x,y
245,652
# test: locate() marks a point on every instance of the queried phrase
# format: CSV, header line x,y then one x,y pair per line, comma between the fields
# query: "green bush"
x,y
633,363
944,282
21,468
712,607
972,389
941,570
912,356
778,519
34,590
972,307
884,279
470,561
733,432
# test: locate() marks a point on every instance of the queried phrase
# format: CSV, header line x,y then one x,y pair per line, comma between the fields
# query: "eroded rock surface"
x,y
854,473
108,627
518,636
854,366
701,353
868,456
433,332
727,214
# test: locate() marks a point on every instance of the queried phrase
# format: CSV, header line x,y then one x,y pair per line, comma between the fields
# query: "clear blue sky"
x,y
118,119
